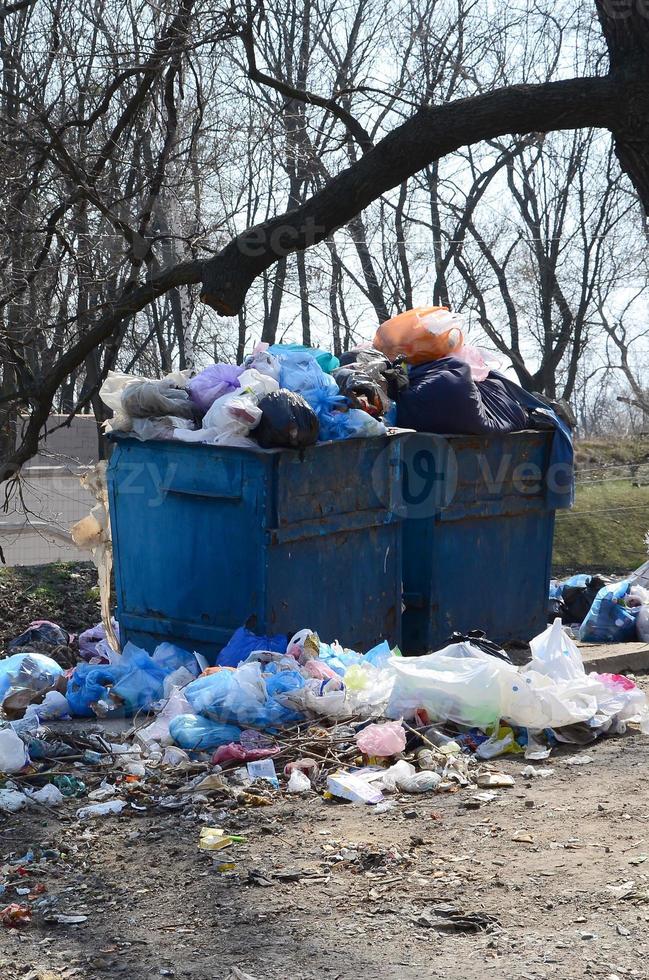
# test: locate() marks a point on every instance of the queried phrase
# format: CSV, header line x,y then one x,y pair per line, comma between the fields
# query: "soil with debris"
x,y
550,879
64,592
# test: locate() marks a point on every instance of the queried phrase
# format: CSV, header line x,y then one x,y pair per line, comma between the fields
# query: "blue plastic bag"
x,y
379,655
90,683
32,670
609,621
301,372
170,658
354,424
240,697
194,732
134,684
242,643
328,362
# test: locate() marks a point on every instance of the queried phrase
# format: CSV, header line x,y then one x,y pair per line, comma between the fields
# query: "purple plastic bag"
x,y
214,381
91,642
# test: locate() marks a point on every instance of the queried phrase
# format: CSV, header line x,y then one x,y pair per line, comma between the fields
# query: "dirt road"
x,y
327,889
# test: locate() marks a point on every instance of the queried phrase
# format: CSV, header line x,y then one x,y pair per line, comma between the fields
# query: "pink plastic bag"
x,y
382,740
480,361
615,681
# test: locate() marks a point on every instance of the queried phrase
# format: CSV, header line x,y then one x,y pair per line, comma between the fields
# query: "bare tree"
x,y
95,156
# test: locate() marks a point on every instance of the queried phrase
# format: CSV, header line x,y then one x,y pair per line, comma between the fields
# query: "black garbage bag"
x,y
577,599
287,421
443,397
360,390
478,638
396,377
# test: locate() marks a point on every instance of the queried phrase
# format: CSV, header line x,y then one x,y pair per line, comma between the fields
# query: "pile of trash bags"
x,y
284,396
262,686
419,374
601,610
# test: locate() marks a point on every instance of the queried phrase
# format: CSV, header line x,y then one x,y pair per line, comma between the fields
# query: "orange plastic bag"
x,y
423,334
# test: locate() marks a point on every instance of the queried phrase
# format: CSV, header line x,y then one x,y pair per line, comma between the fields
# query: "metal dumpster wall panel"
x,y
482,558
208,538
350,578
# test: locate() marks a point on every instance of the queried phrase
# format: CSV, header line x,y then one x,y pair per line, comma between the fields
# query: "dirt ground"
x,y
322,888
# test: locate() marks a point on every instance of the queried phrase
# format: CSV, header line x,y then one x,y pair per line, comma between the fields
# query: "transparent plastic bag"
x,y
132,397
143,399
33,671
403,776
160,427
480,360
421,334
232,416
460,683
227,423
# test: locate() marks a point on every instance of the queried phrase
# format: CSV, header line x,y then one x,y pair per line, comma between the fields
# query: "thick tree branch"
x,y
433,132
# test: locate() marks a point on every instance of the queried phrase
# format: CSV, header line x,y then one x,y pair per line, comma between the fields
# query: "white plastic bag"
x,y
231,417
556,655
49,795
298,783
101,809
12,800
13,754
403,776
480,361
642,624
460,683
158,730
260,360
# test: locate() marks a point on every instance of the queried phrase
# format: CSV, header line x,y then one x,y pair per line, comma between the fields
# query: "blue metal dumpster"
x,y
207,539
477,536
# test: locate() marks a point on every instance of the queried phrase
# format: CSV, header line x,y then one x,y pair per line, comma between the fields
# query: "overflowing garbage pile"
x,y
419,374
599,609
295,715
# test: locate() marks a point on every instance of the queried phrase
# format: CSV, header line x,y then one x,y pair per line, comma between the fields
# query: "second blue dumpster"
x,y
477,536
207,539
